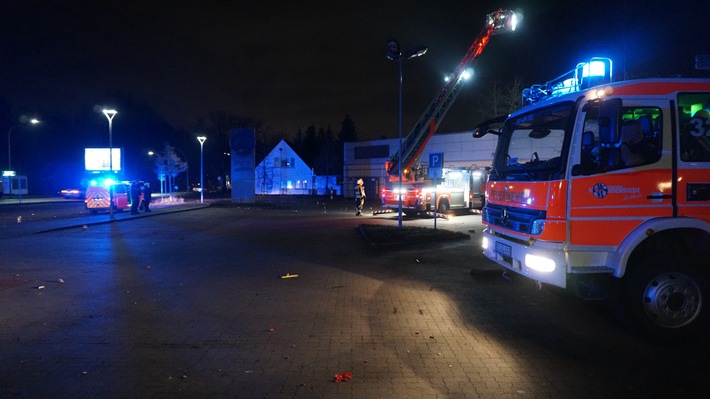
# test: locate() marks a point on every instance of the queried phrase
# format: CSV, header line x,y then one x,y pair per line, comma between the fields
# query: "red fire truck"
x,y
603,188
417,188
460,188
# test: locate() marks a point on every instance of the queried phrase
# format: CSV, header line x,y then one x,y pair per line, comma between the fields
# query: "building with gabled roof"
x,y
283,172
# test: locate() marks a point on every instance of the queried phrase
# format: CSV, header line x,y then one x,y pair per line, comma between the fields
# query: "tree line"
x,y
51,155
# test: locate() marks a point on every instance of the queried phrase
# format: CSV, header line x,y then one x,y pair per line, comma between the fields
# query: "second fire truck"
x,y
460,189
416,190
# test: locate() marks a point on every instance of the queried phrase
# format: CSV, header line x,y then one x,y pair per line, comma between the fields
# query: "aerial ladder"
x,y
500,21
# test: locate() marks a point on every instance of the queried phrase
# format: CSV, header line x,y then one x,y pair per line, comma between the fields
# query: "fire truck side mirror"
x,y
485,127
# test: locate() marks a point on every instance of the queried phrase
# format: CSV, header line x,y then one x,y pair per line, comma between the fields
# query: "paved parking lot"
x,y
194,304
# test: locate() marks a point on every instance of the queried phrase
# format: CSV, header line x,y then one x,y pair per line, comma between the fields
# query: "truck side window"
x,y
694,117
636,142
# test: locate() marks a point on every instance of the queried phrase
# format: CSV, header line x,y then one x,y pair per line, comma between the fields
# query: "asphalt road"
x,y
195,304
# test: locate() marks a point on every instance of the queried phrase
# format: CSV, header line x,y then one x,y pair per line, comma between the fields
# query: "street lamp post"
x,y
394,53
202,139
110,113
23,121
32,121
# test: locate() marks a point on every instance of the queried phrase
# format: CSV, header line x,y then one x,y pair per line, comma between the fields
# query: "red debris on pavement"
x,y
344,376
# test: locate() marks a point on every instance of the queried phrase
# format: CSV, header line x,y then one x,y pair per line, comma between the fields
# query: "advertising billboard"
x,y
98,159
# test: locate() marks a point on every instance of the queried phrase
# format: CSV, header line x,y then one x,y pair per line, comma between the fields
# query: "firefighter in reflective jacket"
x,y
359,197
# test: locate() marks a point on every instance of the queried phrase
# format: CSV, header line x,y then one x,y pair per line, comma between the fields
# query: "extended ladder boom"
x,y
412,146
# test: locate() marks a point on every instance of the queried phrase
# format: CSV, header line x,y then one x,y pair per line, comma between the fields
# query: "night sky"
x,y
295,64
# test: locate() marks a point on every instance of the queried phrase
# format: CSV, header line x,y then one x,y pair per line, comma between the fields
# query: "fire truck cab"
x,y
98,196
603,189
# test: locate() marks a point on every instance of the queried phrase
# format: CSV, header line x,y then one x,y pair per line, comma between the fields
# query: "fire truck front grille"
x,y
517,219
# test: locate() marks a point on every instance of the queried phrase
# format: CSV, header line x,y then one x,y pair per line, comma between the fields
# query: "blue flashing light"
x,y
594,68
596,71
593,73
102,181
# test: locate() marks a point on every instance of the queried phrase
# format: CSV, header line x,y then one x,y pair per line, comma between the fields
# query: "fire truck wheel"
x,y
443,207
667,296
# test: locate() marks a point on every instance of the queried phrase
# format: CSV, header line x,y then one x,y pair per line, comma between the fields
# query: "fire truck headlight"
x,y
537,227
484,243
540,263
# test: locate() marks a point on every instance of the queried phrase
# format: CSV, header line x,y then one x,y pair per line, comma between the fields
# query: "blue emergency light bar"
x,y
106,182
595,72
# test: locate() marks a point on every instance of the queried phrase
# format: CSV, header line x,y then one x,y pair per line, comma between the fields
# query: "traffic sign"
x,y
436,164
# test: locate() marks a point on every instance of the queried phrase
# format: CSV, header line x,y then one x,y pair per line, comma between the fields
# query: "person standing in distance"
x,y
147,194
135,197
359,197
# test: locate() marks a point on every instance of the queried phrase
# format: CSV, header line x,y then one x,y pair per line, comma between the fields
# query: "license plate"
x,y
504,249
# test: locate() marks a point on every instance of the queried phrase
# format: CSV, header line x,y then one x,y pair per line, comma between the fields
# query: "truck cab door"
x,y
608,197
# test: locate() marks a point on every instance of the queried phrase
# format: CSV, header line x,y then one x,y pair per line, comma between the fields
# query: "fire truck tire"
x,y
443,207
667,296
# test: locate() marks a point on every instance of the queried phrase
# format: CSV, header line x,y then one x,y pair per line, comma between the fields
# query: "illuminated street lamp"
x,y
110,113
394,53
159,172
23,121
202,139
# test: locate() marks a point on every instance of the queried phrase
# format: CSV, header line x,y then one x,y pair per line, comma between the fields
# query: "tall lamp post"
x,y
202,139
32,121
394,53
110,113
23,121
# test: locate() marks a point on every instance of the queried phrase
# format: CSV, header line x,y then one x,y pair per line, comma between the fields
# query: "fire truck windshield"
x,y
530,144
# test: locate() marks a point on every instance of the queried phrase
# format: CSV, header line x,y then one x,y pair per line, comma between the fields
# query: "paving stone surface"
x,y
193,304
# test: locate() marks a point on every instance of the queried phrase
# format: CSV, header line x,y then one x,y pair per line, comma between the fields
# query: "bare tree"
x,y
499,100
169,165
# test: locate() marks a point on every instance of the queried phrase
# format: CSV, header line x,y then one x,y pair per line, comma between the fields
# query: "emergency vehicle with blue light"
x,y
603,188
98,195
